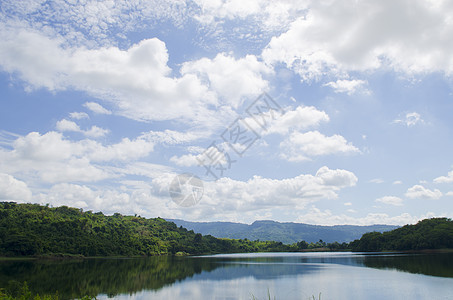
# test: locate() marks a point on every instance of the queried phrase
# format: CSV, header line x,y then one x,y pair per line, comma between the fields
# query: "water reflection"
x,y
433,264
75,278
112,277
427,264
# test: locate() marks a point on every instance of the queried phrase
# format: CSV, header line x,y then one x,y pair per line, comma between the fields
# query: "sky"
x,y
320,112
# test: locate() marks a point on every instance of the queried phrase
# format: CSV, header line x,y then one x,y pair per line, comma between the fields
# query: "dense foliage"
x,y
435,233
33,230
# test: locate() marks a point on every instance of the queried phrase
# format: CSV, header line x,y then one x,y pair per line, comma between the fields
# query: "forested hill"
x,y
286,233
35,230
435,233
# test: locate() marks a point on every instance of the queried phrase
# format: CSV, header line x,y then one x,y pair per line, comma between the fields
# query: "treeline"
x,y
36,230
435,233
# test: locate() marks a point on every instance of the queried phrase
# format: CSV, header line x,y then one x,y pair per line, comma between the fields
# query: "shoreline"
x,y
56,257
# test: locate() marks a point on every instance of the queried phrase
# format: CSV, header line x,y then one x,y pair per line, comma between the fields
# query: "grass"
x,y
20,291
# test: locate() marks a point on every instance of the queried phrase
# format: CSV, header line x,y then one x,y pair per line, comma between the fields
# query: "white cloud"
x,y
337,37
97,108
411,119
301,118
172,137
327,217
347,204
131,199
397,182
52,158
392,200
240,200
214,156
301,146
231,79
141,168
449,194
267,15
94,131
185,160
13,189
348,86
445,179
377,180
418,191
136,81
65,125
125,150
97,20
79,115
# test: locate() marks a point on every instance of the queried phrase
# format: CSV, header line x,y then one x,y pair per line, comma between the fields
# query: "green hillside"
x,y
435,233
34,230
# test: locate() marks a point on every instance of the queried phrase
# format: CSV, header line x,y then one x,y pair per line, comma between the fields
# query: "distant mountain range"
x,y
286,233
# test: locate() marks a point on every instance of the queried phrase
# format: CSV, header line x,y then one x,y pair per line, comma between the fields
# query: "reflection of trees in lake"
x,y
439,264
73,278
101,276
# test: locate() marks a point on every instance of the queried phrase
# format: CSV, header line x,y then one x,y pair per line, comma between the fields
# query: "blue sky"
x,y
103,103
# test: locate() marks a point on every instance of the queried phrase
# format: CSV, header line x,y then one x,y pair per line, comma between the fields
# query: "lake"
x,y
334,275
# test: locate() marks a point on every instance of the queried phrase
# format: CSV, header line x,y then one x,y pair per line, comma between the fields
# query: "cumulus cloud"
x,y
94,131
97,108
52,158
136,81
348,86
79,115
301,146
391,200
420,192
337,37
327,217
445,179
215,159
185,160
410,119
232,79
301,118
130,199
13,189
232,199
66,125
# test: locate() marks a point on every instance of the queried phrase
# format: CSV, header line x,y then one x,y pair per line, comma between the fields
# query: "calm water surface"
x,y
242,276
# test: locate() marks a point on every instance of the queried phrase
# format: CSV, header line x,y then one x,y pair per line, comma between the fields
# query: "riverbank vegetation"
x,y
63,232
435,233
32,230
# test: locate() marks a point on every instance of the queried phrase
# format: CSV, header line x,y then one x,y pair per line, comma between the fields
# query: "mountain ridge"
x,y
285,232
